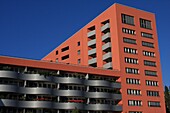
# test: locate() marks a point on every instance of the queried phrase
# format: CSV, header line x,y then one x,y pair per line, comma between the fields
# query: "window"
x,y
134,102
151,83
146,35
56,60
128,31
65,57
132,81
78,52
133,92
148,53
130,50
128,40
150,73
126,19
153,93
65,49
57,52
78,61
154,104
135,111
149,63
132,71
78,43
131,60
145,23
147,44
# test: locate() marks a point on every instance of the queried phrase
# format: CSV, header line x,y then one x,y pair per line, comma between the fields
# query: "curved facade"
x,y
32,90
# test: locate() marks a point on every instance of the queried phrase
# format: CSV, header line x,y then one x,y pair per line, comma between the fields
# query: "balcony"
x,y
116,96
91,33
92,52
92,42
106,26
106,36
108,65
107,56
116,85
106,46
92,61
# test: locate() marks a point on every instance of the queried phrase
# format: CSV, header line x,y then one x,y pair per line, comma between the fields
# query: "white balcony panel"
x,y
92,51
107,45
91,42
107,55
105,36
91,33
92,61
105,27
107,65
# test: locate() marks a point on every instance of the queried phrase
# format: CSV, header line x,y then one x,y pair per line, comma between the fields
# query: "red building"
x,y
123,39
111,65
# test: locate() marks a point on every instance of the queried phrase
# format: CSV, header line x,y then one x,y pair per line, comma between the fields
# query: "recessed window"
x,y
152,93
133,92
132,70
78,52
149,63
154,104
129,40
147,44
65,49
65,57
130,50
150,73
146,35
78,43
128,31
145,23
79,61
127,19
56,60
132,81
151,83
135,111
131,60
148,53
134,102
57,52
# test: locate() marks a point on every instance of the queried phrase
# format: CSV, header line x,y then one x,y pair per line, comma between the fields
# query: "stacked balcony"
x,y
32,90
92,47
106,45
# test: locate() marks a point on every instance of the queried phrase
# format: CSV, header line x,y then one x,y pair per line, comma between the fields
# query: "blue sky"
x,y
32,28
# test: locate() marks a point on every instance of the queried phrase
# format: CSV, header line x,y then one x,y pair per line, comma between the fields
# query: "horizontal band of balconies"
x,y
103,95
53,105
91,33
53,79
48,91
106,26
106,46
107,65
92,51
105,36
107,56
91,42
92,61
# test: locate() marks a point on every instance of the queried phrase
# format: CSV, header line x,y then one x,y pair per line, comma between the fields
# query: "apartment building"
x,y
122,39
30,86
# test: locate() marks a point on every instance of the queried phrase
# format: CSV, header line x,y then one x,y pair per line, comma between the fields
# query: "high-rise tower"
x,y
123,39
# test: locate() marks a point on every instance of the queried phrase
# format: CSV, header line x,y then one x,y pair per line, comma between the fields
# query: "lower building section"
x,y
33,90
